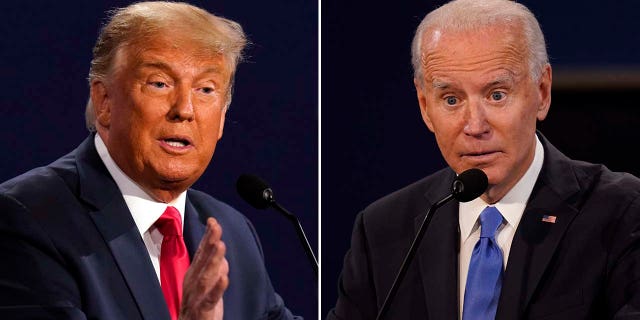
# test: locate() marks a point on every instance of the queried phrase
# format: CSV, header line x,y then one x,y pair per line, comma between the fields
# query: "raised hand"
x,y
207,278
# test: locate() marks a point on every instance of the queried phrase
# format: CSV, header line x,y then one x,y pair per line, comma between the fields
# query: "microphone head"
x,y
255,191
469,185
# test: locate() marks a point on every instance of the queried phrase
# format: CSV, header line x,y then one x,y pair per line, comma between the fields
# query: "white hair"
x,y
467,15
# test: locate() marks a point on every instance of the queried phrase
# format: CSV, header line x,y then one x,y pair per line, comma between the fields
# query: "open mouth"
x,y
177,142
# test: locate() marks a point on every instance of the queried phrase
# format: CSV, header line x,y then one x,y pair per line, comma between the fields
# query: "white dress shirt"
x,y
143,208
511,206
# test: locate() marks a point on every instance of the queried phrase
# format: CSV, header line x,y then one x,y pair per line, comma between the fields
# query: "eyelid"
x,y
158,77
500,87
154,84
213,89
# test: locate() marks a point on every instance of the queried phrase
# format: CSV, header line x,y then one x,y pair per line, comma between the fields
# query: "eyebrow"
x,y
166,67
157,65
501,80
437,84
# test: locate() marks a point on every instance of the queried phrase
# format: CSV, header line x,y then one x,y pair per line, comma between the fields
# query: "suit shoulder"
x,y
41,184
626,183
617,186
36,206
619,189
408,202
593,180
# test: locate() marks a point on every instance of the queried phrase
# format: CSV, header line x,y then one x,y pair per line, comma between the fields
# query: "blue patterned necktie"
x,y
484,279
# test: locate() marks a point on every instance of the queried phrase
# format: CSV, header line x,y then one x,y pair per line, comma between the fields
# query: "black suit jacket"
x,y
584,266
71,249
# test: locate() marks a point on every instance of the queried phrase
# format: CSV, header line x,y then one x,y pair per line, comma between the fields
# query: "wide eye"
x,y
498,95
451,100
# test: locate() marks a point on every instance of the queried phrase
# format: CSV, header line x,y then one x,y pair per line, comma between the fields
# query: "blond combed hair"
x,y
132,24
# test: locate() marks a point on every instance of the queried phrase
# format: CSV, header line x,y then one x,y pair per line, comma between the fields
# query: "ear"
x,y
422,100
544,89
101,104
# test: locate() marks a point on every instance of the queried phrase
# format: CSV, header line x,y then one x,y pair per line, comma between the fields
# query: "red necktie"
x,y
174,259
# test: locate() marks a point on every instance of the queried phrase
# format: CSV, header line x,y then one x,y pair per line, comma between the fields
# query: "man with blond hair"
x,y
550,237
112,230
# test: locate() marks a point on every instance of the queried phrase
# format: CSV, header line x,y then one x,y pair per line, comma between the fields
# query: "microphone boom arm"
x,y
303,238
412,251
258,194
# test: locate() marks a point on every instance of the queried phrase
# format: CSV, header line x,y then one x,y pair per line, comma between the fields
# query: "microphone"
x,y
258,194
467,186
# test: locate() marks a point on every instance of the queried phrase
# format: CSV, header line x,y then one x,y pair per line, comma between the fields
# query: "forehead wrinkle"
x,y
473,49
442,64
147,58
163,45
504,77
154,65
157,64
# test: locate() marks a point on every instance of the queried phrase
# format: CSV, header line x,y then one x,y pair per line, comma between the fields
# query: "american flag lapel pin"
x,y
549,219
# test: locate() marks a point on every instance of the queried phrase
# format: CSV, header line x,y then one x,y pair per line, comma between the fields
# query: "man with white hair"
x,y
550,237
112,230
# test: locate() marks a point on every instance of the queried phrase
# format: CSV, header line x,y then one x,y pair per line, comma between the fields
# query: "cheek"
x,y
527,120
449,143
531,102
125,108
209,125
447,126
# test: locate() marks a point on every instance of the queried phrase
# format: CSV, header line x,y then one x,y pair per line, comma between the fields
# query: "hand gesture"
x,y
207,278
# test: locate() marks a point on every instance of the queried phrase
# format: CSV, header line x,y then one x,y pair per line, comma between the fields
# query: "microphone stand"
x,y
303,238
410,254
259,195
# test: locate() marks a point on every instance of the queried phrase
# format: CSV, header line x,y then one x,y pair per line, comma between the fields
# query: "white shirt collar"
x,y
144,210
511,205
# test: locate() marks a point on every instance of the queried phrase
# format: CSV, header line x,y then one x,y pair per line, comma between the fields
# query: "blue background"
x,y
373,138
271,128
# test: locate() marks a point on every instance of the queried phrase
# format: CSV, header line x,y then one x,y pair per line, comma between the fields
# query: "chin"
x,y
179,177
494,178
171,178
177,169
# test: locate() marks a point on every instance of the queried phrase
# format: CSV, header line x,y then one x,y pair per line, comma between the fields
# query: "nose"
x,y
476,123
182,106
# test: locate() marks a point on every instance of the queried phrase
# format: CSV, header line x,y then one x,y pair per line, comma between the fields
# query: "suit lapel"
x,y
193,228
536,240
531,250
438,258
123,238
115,223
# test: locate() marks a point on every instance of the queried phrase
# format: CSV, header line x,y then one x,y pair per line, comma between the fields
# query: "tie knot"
x,y
170,222
490,220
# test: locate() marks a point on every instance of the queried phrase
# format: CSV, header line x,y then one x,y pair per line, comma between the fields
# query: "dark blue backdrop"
x,y
373,137
271,128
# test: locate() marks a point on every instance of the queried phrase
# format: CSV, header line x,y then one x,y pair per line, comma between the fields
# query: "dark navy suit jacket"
x,y
586,265
71,250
